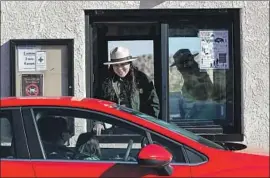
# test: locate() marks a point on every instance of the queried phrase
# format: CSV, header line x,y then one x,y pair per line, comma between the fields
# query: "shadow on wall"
x,y
5,87
150,4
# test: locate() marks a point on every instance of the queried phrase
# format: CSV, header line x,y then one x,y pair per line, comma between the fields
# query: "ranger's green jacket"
x,y
144,99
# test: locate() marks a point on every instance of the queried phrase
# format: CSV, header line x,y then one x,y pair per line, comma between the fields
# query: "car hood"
x,y
234,163
254,151
249,159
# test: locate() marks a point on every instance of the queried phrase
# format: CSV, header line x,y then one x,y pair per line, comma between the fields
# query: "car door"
x,y
15,160
111,164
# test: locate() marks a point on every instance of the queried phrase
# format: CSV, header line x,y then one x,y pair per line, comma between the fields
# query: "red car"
x,y
152,147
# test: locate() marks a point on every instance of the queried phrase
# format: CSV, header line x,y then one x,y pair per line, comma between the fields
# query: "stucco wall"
x,y
65,19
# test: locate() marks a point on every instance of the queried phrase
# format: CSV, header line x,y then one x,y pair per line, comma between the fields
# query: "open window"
x,y
59,144
104,147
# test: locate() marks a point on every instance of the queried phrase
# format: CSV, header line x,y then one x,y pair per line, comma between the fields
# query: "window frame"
x,y
204,157
18,134
90,92
37,152
164,16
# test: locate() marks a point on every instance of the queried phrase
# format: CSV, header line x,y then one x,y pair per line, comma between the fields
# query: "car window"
x,y
175,149
111,145
7,141
58,143
171,127
194,157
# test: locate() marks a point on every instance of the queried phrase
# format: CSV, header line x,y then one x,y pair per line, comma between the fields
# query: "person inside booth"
x,y
128,86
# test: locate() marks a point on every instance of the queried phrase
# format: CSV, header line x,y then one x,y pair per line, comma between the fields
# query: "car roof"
x,y
65,101
68,102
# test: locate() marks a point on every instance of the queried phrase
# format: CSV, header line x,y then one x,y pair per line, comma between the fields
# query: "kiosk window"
x,y
199,70
193,57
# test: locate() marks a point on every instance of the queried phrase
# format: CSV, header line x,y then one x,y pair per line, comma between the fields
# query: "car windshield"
x,y
171,127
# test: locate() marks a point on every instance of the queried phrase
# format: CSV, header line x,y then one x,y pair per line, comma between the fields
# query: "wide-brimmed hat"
x,y
120,55
182,54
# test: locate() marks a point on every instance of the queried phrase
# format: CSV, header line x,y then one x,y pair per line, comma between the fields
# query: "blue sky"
x,y
139,47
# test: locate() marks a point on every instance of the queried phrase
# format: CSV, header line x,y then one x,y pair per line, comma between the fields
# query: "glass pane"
x,y
6,134
41,70
6,138
199,68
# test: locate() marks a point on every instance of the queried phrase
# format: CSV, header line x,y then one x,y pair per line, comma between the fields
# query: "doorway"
x,y
143,41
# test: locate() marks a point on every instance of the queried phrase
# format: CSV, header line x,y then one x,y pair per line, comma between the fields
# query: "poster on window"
x,y
214,49
32,85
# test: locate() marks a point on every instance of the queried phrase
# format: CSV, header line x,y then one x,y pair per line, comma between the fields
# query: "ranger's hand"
x,y
98,127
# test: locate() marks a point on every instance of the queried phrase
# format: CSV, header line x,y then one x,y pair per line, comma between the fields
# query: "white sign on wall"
x,y
214,49
31,59
40,60
26,59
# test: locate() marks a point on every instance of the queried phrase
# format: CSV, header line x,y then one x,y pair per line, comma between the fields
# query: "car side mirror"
x,y
156,156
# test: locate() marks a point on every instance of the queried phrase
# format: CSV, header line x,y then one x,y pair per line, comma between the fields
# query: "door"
x,y
116,158
15,161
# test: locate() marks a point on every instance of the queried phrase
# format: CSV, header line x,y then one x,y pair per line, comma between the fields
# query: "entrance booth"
x,y
155,36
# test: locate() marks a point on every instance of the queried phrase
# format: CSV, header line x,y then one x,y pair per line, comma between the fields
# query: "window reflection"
x,y
196,94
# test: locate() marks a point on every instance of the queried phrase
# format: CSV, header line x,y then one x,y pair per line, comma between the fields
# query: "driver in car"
x,y
54,134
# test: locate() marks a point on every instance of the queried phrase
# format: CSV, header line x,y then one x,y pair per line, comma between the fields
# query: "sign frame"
x,y
36,44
